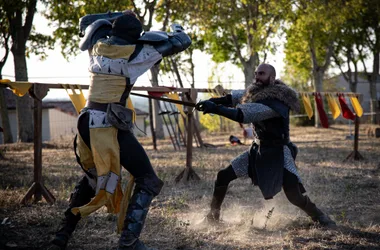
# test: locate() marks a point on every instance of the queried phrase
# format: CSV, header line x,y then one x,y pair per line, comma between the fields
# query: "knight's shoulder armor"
x,y
100,28
151,37
88,19
167,43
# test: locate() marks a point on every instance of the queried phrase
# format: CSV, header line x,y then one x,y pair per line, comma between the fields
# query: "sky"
x,y
56,69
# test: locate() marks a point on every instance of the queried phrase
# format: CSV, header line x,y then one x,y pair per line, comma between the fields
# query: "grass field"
x,y
348,191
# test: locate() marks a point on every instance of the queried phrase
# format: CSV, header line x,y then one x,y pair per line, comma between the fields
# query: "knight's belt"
x,y
97,106
275,142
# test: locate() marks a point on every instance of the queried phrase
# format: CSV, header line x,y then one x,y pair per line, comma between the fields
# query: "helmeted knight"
x,y
119,53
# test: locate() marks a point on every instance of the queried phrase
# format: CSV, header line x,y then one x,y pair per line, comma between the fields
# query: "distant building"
x,y
59,119
362,87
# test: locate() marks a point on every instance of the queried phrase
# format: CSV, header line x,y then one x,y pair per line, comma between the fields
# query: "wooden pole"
x,y
355,155
189,145
38,189
152,130
188,173
197,133
37,116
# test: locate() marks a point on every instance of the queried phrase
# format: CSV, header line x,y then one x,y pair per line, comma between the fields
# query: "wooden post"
x,y
189,145
38,189
355,155
37,117
152,130
197,133
188,173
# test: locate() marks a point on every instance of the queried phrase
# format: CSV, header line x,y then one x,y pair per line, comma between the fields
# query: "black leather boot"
x,y
134,221
216,203
68,226
317,215
83,193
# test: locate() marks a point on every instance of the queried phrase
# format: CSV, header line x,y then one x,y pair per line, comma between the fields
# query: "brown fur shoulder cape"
x,y
276,90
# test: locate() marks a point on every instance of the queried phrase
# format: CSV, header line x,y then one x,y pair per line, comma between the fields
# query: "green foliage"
x,y
236,30
313,28
16,18
39,44
297,77
210,122
4,38
64,17
168,12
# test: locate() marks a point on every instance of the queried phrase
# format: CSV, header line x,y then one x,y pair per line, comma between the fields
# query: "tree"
x,y
311,34
19,16
239,31
20,28
4,42
370,33
178,12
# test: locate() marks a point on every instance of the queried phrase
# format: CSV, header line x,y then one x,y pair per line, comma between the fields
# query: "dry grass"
x,y
348,191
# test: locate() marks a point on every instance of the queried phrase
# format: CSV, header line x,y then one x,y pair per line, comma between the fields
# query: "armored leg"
x,y
145,191
317,215
216,203
304,203
224,177
83,193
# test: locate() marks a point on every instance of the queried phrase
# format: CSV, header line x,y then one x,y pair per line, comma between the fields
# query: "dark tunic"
x,y
266,161
268,107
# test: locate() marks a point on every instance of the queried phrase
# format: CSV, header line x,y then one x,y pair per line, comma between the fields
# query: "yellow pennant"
x,y
18,88
356,105
130,106
307,105
76,96
175,96
333,105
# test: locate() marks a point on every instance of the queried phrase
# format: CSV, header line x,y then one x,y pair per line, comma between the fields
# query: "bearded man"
x,y
270,161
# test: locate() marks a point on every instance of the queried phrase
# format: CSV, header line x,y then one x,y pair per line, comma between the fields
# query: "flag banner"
x,y
76,96
307,105
347,113
356,105
333,105
322,114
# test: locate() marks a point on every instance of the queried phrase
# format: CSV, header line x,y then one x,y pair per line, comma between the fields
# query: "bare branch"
x,y
31,10
237,45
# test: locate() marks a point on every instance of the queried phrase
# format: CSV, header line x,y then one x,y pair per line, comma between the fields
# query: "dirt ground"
x,y
349,191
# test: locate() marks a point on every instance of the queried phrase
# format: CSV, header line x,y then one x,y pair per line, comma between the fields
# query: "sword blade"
x,y
190,104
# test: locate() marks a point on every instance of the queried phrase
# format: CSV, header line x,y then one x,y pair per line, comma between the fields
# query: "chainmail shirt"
x,y
254,113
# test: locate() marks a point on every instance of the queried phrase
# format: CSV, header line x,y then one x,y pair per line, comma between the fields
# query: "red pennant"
x,y
347,113
156,94
159,93
322,114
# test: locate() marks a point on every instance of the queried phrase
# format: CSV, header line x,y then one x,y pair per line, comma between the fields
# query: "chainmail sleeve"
x,y
236,96
289,163
256,112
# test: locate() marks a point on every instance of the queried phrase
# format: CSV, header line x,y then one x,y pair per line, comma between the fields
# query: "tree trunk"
x,y
7,133
23,104
318,87
157,120
20,19
249,73
372,87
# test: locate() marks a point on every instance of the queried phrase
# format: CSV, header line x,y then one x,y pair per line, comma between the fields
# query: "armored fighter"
x,y
118,55
270,161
